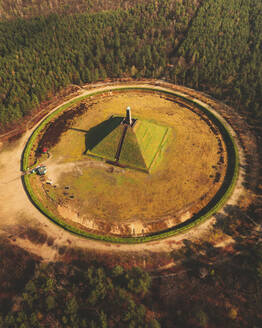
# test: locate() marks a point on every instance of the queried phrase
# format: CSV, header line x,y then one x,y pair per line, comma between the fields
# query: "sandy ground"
x,y
16,210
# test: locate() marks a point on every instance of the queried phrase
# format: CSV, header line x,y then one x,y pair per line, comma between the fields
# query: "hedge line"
x,y
214,205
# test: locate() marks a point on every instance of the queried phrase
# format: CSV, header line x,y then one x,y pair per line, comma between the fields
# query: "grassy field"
x,y
121,201
185,173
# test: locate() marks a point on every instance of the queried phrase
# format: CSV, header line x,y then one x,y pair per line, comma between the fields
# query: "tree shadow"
x,y
234,222
17,268
94,135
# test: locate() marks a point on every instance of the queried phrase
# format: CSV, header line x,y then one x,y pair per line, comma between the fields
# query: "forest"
x,y
209,286
41,55
10,9
213,46
222,53
89,296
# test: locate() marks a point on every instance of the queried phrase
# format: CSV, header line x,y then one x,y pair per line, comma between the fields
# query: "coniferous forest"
x,y
41,55
213,46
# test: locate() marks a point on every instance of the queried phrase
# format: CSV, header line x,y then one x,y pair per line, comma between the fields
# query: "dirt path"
x,y
16,211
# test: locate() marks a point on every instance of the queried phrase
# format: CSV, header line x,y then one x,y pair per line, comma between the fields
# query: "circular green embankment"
x,y
213,206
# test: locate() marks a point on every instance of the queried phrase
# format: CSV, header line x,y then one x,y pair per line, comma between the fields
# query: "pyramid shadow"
x,y
96,134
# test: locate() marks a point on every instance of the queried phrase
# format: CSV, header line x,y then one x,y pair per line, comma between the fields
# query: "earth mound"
x,y
134,146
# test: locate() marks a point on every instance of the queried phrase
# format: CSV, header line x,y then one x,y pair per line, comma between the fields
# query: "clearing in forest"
x,y
187,150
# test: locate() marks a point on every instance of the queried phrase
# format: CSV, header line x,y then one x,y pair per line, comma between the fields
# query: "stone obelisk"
x,y
128,119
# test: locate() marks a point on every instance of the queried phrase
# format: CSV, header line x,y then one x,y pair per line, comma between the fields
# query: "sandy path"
x,y
17,211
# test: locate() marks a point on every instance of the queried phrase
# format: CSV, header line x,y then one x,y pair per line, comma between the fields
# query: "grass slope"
x,y
149,137
131,153
140,147
103,139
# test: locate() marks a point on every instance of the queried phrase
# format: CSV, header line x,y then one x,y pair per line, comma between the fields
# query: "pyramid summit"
x,y
128,142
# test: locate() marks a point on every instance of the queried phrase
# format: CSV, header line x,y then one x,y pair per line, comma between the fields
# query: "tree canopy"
x,y
41,55
60,295
213,46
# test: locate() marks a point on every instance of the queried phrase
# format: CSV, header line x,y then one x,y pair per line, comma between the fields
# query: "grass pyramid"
x,y
135,146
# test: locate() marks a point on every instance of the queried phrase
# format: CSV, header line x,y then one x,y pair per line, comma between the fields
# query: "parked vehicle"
x,y
40,170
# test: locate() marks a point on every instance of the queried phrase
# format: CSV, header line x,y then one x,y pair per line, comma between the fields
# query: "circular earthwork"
x,y
192,174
